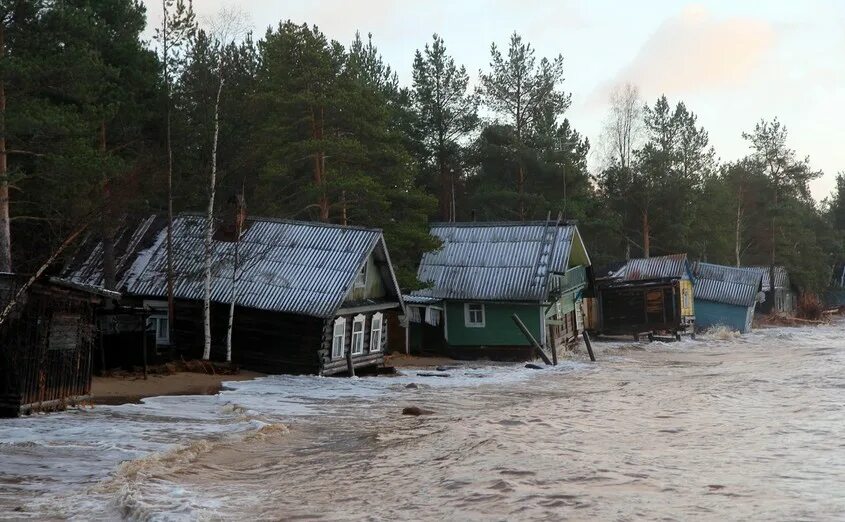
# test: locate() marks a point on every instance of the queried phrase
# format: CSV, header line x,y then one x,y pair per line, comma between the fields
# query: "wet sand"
x,y
129,389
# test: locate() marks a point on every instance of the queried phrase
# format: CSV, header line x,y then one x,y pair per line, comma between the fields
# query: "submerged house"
x,y
726,296
646,296
781,296
310,297
483,274
47,343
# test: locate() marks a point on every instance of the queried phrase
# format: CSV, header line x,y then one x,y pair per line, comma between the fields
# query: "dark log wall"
x,y
263,341
367,359
47,346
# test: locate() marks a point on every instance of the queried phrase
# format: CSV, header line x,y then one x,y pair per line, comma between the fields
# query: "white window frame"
x,y
361,276
357,343
158,316
375,333
468,322
156,322
339,348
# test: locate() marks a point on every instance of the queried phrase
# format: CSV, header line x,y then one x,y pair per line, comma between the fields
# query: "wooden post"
x,y
589,345
349,366
531,339
554,349
144,343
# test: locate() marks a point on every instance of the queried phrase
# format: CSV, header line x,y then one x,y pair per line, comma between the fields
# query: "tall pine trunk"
x,y
109,276
738,238
646,235
209,230
520,188
5,232
171,302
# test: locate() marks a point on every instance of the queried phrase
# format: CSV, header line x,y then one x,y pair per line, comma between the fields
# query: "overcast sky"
x,y
731,62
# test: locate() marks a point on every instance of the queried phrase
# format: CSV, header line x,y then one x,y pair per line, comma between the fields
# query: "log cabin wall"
x,y
47,351
263,341
367,359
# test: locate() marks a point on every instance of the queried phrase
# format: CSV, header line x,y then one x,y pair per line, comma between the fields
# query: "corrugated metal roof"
x,y
86,268
419,300
288,266
495,261
781,277
726,284
674,266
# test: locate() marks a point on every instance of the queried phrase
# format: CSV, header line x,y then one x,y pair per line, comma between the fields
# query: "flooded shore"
x,y
736,428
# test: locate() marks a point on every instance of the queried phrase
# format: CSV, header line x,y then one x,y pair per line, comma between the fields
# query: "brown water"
x,y
739,429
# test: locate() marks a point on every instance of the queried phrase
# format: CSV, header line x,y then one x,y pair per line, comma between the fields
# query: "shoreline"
x,y
132,389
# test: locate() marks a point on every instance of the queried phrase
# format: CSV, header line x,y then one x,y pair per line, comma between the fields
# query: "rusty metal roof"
x,y
673,266
496,261
727,284
287,266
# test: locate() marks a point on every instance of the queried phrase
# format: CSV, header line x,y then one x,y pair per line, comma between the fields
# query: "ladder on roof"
x,y
544,254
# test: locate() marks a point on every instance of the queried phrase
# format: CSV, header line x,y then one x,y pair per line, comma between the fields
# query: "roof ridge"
x,y
316,224
484,224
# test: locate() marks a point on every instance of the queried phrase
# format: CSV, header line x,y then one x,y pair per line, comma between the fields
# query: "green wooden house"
x,y
483,274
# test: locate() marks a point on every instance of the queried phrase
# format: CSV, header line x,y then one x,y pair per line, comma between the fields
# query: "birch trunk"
x,y
738,238
235,263
209,230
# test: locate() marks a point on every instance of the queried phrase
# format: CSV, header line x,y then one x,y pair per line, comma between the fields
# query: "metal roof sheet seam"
x,y
726,284
285,266
495,261
672,266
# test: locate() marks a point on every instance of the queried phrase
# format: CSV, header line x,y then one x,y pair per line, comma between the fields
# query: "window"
x,y
375,332
474,315
159,324
339,338
358,335
158,321
361,277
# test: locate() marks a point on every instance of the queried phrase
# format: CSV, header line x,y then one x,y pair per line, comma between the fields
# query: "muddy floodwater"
x,y
736,428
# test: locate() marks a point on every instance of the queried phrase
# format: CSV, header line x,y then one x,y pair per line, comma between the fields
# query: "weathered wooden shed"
x,y
780,296
47,343
646,296
835,294
483,274
308,294
726,295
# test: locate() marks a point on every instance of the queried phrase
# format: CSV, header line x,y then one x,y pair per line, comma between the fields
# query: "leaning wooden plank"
x,y
531,339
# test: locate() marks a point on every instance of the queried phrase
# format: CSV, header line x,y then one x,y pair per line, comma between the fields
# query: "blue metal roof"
x,y
674,266
727,284
287,266
496,261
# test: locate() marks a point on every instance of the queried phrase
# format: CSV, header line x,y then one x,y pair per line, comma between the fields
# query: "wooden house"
x,y
726,295
47,343
646,296
780,296
835,294
483,274
310,297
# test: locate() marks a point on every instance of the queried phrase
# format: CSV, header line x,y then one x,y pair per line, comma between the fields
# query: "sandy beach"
x,y
133,388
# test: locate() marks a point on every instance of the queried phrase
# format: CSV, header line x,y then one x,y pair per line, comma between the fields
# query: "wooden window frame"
x,y
373,330
340,321
468,322
357,342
